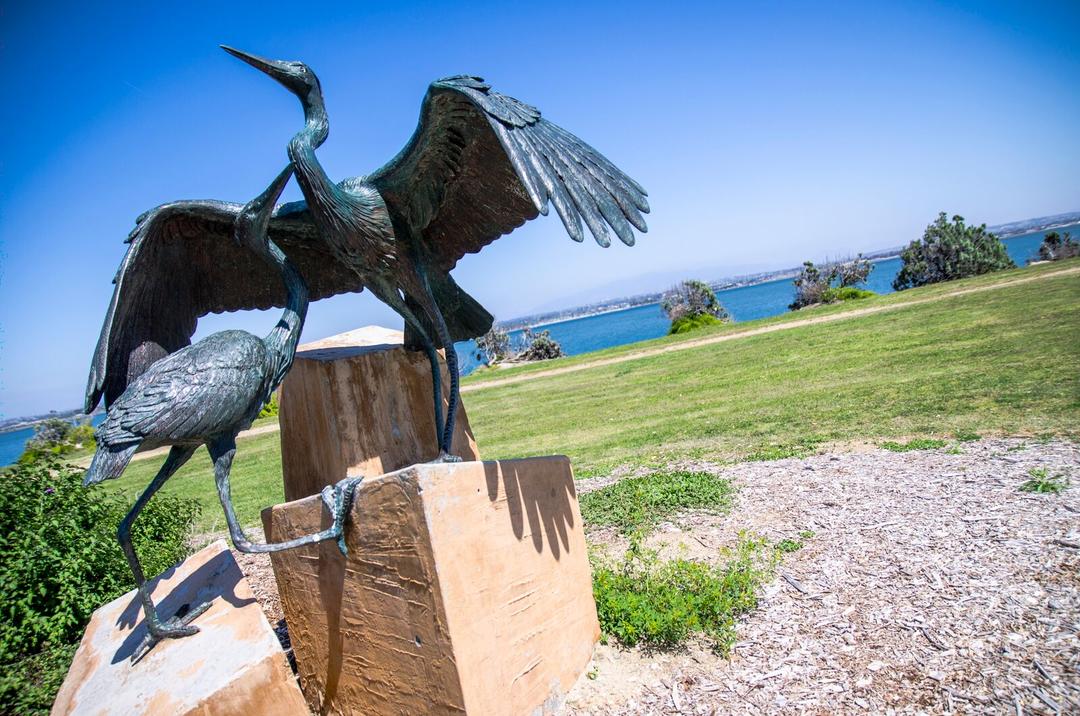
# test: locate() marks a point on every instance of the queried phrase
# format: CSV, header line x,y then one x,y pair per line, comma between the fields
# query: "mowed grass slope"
x,y
995,361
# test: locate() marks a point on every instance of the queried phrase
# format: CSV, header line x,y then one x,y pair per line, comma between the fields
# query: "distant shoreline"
x,y
650,299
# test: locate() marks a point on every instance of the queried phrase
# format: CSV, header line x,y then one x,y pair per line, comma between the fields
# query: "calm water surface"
x,y
582,335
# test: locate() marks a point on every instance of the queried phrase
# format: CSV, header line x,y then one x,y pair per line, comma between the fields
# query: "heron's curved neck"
x,y
282,340
310,175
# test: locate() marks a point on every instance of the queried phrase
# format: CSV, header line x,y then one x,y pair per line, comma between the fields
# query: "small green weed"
x,y
1042,481
916,444
642,502
966,436
955,450
1016,448
806,534
658,604
789,545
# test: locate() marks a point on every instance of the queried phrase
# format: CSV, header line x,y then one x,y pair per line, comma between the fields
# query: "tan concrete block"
x,y
234,665
360,401
467,589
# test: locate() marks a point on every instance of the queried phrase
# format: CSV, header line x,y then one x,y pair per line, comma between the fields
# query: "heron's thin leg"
x,y
436,377
433,358
222,452
452,365
157,629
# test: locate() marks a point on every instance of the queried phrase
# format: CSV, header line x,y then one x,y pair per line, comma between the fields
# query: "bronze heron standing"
x,y
205,394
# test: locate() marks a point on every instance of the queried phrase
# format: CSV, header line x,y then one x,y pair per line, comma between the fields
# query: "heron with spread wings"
x,y
479,165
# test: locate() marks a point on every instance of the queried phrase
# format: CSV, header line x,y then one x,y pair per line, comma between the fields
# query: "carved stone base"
x,y
234,665
466,590
360,401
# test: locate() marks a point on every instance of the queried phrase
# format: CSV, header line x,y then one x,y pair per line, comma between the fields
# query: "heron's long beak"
x,y
274,68
254,218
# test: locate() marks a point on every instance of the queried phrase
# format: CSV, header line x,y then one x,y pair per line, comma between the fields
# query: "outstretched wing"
x,y
481,164
183,263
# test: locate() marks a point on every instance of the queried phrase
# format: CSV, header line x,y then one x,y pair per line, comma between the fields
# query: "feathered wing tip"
x,y
108,463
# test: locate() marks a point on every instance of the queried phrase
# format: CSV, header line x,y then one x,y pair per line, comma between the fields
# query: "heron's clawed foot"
x,y
175,628
445,457
338,499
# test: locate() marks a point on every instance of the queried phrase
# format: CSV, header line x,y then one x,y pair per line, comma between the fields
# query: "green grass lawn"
x,y
1001,361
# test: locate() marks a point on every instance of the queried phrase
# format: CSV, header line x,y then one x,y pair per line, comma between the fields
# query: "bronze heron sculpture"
x,y
479,165
205,394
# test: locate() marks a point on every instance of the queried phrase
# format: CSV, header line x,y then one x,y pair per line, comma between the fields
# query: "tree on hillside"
x,y
493,346
540,346
950,250
1056,246
692,304
813,282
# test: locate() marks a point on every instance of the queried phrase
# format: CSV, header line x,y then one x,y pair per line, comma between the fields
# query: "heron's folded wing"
x,y
481,163
182,263
195,392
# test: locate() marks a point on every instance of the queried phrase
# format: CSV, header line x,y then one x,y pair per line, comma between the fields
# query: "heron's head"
x,y
295,76
253,222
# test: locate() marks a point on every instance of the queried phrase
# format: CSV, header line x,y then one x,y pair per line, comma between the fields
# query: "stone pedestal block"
x,y
359,401
466,590
234,665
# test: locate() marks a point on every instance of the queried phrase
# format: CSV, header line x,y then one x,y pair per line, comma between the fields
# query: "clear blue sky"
x,y
766,133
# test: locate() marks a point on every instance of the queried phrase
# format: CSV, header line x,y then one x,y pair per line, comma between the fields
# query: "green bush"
x,y
685,324
270,410
692,304
56,437
641,600
641,502
59,561
948,251
838,294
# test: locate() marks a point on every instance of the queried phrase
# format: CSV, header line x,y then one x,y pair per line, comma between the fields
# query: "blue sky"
x,y
766,133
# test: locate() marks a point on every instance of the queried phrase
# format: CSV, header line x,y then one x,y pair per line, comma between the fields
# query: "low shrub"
x,y
818,284
658,604
638,503
685,324
539,346
838,294
59,561
56,437
692,304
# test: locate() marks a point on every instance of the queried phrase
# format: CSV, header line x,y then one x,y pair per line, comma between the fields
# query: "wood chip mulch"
x,y
932,584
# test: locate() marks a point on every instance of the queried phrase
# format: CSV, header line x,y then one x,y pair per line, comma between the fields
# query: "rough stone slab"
x,y
466,590
234,665
360,402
